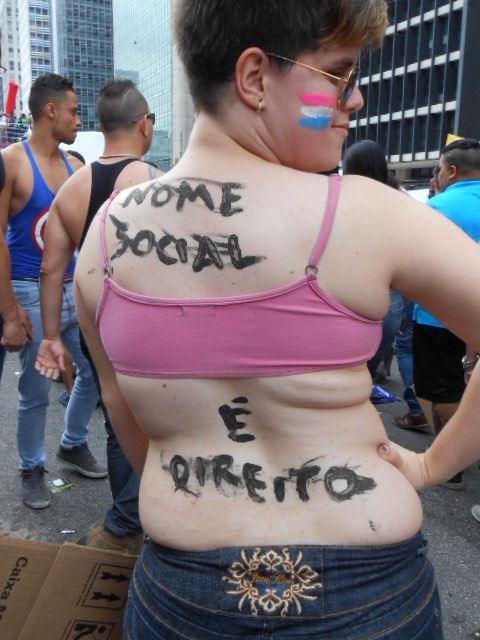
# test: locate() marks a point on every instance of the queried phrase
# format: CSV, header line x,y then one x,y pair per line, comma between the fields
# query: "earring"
x,y
260,106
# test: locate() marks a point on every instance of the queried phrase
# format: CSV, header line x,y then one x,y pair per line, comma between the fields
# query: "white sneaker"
x,y
476,512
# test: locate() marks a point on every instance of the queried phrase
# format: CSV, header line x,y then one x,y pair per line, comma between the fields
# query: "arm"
x,y
456,446
17,327
439,267
65,217
88,287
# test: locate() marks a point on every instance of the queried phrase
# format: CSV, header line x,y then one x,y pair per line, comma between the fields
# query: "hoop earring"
x,y
260,107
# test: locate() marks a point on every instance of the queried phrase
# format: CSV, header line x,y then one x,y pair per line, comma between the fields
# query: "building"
x,y
83,39
421,85
10,51
71,37
144,53
418,87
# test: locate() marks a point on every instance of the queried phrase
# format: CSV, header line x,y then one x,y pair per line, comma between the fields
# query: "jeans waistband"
x,y
327,578
324,592
68,278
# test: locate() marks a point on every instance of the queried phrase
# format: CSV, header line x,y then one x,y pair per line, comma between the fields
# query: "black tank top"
x,y
104,177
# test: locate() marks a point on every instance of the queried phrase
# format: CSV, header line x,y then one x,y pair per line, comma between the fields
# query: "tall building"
x,y
71,37
10,51
144,53
422,84
83,39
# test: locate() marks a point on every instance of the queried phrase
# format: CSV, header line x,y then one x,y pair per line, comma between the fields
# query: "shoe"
x,y
102,538
35,493
82,460
455,483
476,512
63,398
412,421
379,395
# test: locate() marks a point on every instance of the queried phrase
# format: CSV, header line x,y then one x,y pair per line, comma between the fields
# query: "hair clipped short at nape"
x,y
463,153
118,103
211,34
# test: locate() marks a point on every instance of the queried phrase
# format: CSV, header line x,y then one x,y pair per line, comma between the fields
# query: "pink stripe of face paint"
x,y
318,99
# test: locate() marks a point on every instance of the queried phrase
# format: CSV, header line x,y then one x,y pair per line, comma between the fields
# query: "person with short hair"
x,y
122,111
35,170
438,371
230,307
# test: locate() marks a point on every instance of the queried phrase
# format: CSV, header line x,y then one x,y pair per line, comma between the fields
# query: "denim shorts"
x,y
265,593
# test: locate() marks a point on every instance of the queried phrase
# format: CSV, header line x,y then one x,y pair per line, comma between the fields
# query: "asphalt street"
x,y
453,534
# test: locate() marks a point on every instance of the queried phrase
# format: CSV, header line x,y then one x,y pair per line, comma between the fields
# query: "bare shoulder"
x,y
71,201
79,180
370,200
14,157
75,162
136,173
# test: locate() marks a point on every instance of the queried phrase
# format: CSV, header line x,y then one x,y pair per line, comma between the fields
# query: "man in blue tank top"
x,y
127,125
35,170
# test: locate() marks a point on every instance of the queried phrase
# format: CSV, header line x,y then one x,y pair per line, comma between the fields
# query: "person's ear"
x,y
50,110
143,126
452,172
249,77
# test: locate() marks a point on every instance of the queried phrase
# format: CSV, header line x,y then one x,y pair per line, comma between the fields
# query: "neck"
x,y
43,143
119,155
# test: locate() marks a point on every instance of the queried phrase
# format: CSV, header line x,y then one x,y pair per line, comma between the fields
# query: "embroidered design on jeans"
x,y
272,582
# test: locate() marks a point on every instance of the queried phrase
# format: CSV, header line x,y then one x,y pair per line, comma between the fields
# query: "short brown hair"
x,y
211,34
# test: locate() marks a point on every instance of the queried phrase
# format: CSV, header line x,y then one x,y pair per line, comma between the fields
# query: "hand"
x,y
50,358
26,322
411,464
14,335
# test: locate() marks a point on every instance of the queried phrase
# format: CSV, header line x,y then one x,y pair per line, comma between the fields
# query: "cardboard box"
x,y
61,592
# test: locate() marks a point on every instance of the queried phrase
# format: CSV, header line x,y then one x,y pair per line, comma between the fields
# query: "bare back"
x,y
241,459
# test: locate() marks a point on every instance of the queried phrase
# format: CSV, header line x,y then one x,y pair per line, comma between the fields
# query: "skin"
x,y
57,123
17,327
301,422
64,228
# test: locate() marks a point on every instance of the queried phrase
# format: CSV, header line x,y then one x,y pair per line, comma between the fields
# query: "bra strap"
x,y
327,223
103,245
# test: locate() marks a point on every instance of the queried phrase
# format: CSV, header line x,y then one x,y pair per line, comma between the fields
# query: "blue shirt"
x,y
460,202
26,227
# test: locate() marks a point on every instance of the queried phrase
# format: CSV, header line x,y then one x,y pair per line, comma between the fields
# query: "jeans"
x,y
122,518
404,350
3,353
265,593
390,325
34,388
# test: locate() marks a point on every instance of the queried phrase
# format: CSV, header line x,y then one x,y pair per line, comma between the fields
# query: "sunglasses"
x,y
349,81
149,116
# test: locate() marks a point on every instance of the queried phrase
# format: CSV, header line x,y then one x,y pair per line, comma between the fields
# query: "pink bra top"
x,y
291,329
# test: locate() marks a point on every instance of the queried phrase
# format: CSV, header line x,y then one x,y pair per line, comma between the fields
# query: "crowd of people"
x,y
13,129
232,313
434,363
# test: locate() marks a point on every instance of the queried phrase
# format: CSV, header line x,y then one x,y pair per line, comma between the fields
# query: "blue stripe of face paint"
x,y
317,122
